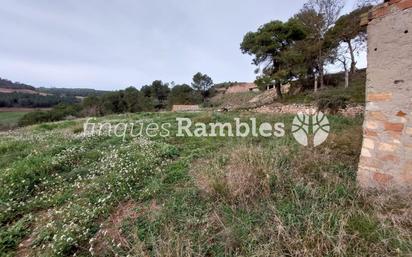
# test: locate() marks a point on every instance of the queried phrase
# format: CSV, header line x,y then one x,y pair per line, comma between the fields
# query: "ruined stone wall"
x,y
185,108
386,158
242,88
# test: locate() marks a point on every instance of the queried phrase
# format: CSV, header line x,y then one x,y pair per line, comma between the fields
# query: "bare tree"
x,y
363,3
329,11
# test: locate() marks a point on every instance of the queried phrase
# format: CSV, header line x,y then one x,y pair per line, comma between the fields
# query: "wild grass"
x,y
64,194
9,120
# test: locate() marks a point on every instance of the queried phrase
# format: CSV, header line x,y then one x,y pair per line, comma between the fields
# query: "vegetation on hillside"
x,y
73,92
23,100
157,96
237,100
4,83
354,94
102,195
40,97
298,50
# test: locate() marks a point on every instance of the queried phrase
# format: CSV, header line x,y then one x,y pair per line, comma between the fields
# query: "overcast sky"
x,y
118,43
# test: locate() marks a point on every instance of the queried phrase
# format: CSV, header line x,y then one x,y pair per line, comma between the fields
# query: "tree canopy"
x,y
202,83
301,47
270,45
346,29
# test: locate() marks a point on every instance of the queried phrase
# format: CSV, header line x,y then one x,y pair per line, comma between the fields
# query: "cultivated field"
x,y
64,193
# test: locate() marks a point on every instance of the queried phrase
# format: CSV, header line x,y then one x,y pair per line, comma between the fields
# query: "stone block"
x,y
382,179
389,158
366,153
370,133
363,176
368,143
372,163
385,147
379,97
395,127
397,119
371,125
377,115
407,168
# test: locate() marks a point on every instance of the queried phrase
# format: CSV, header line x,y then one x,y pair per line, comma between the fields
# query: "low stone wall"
x,y
241,88
185,108
350,111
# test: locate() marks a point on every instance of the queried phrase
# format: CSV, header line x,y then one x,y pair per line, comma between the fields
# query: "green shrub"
x,y
332,103
58,113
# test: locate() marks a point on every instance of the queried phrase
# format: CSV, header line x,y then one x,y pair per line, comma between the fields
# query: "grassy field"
x,y
65,194
10,119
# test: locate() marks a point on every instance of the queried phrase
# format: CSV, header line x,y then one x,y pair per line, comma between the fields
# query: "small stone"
x,y
409,131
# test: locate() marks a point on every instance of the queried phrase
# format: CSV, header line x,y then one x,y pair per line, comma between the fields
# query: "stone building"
x,y
242,87
386,158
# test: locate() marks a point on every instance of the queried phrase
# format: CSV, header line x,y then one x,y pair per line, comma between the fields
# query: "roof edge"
x,y
389,6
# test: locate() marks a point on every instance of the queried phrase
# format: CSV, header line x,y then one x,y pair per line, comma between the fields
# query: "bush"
x,y
58,113
332,104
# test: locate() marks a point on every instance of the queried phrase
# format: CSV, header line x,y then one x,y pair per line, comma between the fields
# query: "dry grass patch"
x,y
110,237
238,174
393,208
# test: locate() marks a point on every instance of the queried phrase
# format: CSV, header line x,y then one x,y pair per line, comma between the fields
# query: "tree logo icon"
x,y
308,128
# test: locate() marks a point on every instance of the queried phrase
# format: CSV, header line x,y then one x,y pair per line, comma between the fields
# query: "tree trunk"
x,y
321,77
346,78
352,57
316,83
321,64
278,87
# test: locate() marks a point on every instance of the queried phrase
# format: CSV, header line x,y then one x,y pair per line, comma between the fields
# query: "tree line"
x,y
22,100
154,97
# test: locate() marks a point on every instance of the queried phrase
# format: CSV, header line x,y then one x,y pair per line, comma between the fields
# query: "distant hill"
x,y
19,95
75,92
7,84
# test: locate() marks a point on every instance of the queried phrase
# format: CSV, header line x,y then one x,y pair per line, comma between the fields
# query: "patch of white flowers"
x,y
120,172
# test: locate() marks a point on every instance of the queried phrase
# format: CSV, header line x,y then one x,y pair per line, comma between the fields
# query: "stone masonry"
x,y
185,108
386,158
